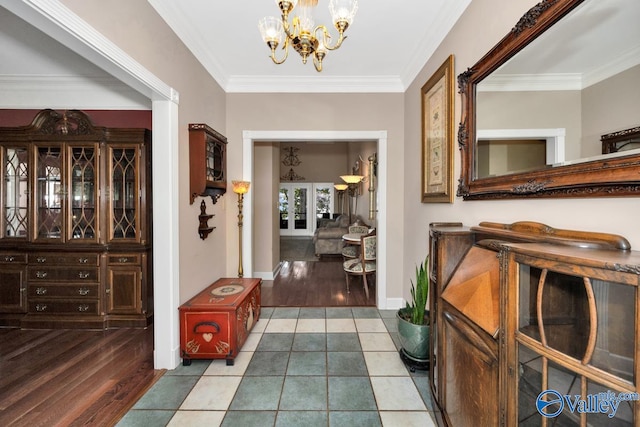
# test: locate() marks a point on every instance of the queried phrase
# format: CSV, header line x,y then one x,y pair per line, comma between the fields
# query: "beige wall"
x,y
318,162
138,30
469,40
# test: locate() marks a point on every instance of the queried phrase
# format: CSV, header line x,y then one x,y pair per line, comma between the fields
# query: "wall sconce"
x,y
353,182
240,188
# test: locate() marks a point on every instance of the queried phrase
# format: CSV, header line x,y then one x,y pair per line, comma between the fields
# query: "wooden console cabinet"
x,y
519,309
75,238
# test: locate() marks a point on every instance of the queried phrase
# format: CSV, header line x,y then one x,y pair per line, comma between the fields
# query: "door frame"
x,y
248,140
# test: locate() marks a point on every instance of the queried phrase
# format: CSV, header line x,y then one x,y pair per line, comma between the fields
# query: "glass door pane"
x,y
301,208
15,191
323,203
83,193
49,193
124,202
283,206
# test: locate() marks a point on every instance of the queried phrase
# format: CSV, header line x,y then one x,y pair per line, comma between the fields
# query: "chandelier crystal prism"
x,y
308,40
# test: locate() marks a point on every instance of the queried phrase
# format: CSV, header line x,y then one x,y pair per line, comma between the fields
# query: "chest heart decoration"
x,y
207,336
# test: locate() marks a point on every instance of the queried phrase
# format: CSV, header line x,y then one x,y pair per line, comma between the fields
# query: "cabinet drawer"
x,y
64,291
123,259
12,258
49,274
64,259
79,307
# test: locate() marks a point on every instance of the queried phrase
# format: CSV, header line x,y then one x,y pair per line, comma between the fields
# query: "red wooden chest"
x,y
215,323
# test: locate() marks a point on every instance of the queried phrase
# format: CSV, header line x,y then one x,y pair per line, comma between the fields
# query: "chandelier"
x,y
306,39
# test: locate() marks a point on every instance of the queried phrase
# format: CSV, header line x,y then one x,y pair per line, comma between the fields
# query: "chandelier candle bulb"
x,y
302,34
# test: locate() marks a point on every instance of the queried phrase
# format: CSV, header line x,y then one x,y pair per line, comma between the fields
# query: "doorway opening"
x,y
380,137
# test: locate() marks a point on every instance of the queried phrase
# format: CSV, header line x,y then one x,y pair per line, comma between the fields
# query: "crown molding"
x,y
440,28
628,60
65,91
314,84
530,82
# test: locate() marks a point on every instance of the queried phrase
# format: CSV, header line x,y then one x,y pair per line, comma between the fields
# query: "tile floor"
x,y
299,367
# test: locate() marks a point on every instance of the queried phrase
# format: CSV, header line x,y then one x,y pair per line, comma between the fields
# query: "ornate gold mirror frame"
x,y
617,176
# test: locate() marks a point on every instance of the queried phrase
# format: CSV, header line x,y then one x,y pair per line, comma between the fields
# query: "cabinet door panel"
x,y
15,203
49,193
12,289
124,200
83,194
124,290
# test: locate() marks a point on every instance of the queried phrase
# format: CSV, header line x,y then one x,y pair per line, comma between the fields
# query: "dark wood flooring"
x,y
315,284
72,377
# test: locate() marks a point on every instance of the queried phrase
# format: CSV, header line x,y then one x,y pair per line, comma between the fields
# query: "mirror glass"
x,y
549,104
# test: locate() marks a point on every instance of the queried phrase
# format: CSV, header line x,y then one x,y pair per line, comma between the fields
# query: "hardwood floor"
x,y
71,377
315,284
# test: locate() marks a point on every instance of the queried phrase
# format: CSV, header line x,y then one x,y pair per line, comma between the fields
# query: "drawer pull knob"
x,y
41,259
83,308
83,274
9,258
83,291
41,307
123,259
41,274
41,291
83,260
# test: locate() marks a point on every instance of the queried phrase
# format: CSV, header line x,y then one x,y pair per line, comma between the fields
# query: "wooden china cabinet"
x,y
533,326
75,248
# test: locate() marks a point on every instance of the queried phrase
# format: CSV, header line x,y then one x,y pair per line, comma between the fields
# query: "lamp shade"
x,y
240,187
340,187
352,179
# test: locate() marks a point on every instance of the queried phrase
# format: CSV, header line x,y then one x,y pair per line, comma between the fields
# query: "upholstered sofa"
x,y
328,239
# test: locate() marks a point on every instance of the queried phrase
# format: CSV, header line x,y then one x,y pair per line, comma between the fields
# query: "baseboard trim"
x,y
268,275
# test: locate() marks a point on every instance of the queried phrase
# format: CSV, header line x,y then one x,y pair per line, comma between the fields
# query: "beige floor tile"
x,y
311,326
197,418
212,393
397,394
340,325
370,325
219,366
252,342
376,342
385,363
260,326
281,326
406,419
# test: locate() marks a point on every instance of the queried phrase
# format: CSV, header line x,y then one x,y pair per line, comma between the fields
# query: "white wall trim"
x,y
248,139
268,275
555,138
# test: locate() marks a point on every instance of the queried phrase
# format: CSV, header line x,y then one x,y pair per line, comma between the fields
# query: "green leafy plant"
x,y
414,311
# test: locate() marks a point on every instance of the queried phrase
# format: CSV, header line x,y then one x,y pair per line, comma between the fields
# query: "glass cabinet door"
x,y
16,191
83,201
576,348
124,196
49,193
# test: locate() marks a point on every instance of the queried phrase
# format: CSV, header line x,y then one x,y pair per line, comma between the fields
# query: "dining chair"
x,y
365,264
351,251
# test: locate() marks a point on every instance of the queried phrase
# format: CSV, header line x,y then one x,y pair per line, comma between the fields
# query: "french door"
x,y
303,205
296,209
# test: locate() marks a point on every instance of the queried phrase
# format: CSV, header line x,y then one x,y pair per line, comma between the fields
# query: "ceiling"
x,y
387,45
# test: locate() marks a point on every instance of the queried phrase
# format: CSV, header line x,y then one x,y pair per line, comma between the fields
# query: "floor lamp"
x,y
353,181
240,188
340,189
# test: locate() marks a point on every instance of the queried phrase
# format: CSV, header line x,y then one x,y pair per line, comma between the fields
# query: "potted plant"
x,y
413,321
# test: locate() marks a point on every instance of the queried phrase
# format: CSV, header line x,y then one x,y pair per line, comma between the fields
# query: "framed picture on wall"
x,y
437,135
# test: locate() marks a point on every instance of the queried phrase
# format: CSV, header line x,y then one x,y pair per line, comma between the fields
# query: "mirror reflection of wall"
x,y
581,75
